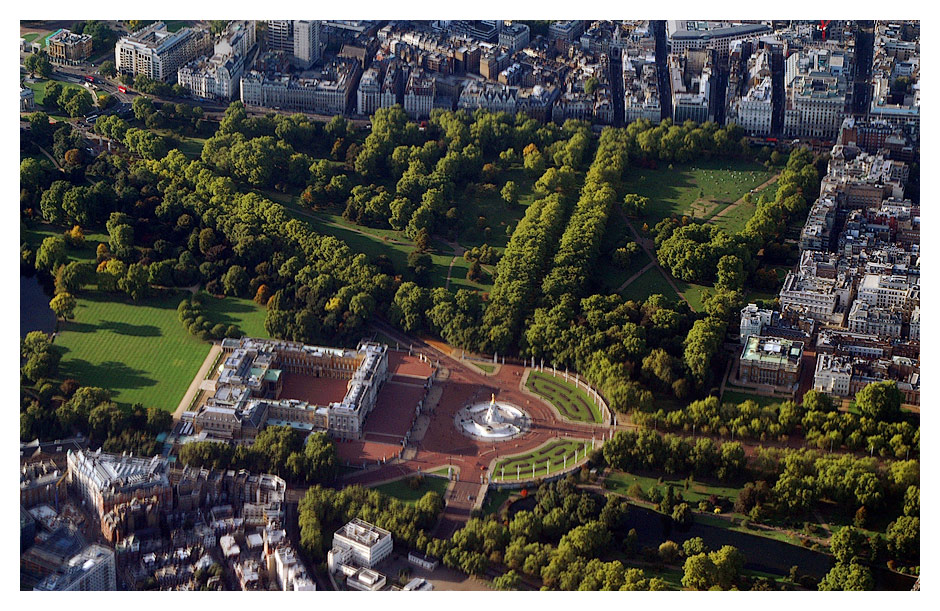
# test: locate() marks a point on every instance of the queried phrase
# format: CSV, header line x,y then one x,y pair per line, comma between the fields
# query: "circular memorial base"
x,y
493,421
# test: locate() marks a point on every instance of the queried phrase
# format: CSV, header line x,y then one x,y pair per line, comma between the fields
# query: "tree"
x,y
158,420
510,192
63,305
35,342
682,514
591,85
694,546
880,401
848,577
814,400
42,365
635,205
134,282
847,544
51,253
668,552
904,536
38,64
729,562
475,272
731,274
699,572
507,581
235,281
107,68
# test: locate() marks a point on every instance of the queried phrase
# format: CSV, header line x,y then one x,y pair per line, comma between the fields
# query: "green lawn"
x,y
488,368
176,26
693,293
700,189
34,235
139,351
498,214
190,146
612,276
243,313
652,282
402,491
570,400
553,452
39,88
495,500
735,220
30,37
620,481
374,242
736,397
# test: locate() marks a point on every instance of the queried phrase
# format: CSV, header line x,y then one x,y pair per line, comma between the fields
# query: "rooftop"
x,y
772,350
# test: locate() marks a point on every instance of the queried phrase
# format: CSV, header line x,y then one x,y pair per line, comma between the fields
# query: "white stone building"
x,y
360,544
816,87
219,77
92,569
369,94
833,375
419,94
157,53
306,47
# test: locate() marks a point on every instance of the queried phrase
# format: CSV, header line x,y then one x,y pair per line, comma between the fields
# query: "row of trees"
x,y
673,454
61,411
817,418
301,459
521,269
558,542
194,320
580,243
322,511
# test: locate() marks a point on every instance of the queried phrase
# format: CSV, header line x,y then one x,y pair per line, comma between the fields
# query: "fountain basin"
x,y
491,421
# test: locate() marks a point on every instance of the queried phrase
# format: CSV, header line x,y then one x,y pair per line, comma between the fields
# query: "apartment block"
x,y
816,84
690,78
219,76
158,53
306,47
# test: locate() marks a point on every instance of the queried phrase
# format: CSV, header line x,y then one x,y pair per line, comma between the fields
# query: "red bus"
x,y
122,88
89,78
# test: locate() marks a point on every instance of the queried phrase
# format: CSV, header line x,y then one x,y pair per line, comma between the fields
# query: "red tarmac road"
x,y
443,445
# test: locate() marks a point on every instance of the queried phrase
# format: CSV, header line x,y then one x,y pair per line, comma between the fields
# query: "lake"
x,y
35,314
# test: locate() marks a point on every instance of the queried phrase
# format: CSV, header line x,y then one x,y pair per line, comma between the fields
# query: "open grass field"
x,y
243,313
652,282
495,500
570,400
403,492
554,452
694,294
139,351
736,397
611,276
735,219
374,242
35,234
498,214
620,481
700,189
39,89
